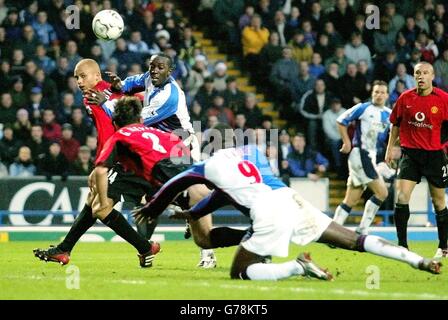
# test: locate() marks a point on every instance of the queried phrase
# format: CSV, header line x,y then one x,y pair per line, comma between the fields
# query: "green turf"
x,y
111,271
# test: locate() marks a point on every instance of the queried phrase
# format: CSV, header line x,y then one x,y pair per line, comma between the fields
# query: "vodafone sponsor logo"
x,y
420,117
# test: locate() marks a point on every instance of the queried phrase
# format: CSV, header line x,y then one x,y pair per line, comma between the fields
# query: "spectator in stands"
x,y
65,110
356,50
83,165
43,61
334,37
72,87
52,130
420,20
366,34
316,68
28,42
5,43
384,39
188,46
363,69
403,48
221,111
272,156
309,34
251,111
284,31
22,126
37,105
197,116
71,52
166,12
81,127
323,47
23,165
269,54
427,47
197,75
386,67
220,76
304,163
91,142
37,143
312,106
305,82
137,45
240,121
234,97
439,36
352,86
332,136
285,147
340,59
253,39
5,75
44,31
96,53
246,17
48,86
61,74
401,74
400,87
9,145
131,16
3,170
28,14
18,62
12,24
124,57
410,30
7,109
69,145
343,18
441,70
226,14
416,58
301,50
396,20
284,79
206,93
19,96
30,71
54,163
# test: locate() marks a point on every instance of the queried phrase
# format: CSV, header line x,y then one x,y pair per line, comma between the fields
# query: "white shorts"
x,y
277,220
361,168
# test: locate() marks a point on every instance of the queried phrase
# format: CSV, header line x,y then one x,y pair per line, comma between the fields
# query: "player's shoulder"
x,y
408,93
441,93
103,85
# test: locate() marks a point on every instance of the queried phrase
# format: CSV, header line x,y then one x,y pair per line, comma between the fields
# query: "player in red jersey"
x,y
88,75
417,120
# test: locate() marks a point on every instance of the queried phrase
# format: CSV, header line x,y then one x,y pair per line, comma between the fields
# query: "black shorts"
x,y
126,186
418,163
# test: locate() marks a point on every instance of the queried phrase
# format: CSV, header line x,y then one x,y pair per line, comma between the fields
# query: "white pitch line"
x,y
323,291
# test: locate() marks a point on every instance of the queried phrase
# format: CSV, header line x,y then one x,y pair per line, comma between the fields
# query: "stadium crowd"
x,y
314,59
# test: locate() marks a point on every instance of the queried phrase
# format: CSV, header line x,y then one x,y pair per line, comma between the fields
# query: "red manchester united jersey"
x,y
139,148
420,119
102,115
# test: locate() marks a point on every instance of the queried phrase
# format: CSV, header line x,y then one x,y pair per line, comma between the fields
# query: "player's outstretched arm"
x,y
134,84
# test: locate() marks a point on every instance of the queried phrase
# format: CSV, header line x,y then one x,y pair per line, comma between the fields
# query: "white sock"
x,y
207,252
340,215
274,271
370,211
383,248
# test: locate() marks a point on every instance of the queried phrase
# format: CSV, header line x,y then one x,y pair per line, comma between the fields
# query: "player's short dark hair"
x,y
380,83
127,111
167,57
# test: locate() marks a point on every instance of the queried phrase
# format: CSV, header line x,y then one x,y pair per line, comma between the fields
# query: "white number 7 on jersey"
x,y
155,141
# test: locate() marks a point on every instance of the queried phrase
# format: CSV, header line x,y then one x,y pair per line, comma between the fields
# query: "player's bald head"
x,y
88,65
87,73
424,66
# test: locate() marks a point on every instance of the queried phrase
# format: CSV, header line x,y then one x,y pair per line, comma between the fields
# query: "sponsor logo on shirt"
x,y
420,117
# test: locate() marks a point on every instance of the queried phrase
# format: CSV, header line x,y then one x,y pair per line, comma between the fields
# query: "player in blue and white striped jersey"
x,y
371,132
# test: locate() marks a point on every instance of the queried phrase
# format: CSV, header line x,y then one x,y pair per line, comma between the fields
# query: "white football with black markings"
x,y
108,25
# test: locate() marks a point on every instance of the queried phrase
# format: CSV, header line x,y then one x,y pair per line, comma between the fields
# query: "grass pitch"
x,y
111,271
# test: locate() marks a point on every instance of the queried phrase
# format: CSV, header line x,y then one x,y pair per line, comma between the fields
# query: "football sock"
x,y
119,224
370,210
401,215
442,227
82,223
274,271
341,213
383,248
146,229
221,237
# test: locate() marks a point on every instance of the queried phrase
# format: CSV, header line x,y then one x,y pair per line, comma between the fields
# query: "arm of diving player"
x,y
210,203
135,83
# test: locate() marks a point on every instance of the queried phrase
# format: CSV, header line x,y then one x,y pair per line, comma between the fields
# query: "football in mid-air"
x,y
108,25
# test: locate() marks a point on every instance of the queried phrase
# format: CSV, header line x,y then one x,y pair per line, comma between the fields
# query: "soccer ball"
x,y
108,25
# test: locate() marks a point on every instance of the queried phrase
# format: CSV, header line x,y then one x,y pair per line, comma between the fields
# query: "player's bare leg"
x,y
438,200
250,266
372,205
344,238
401,212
